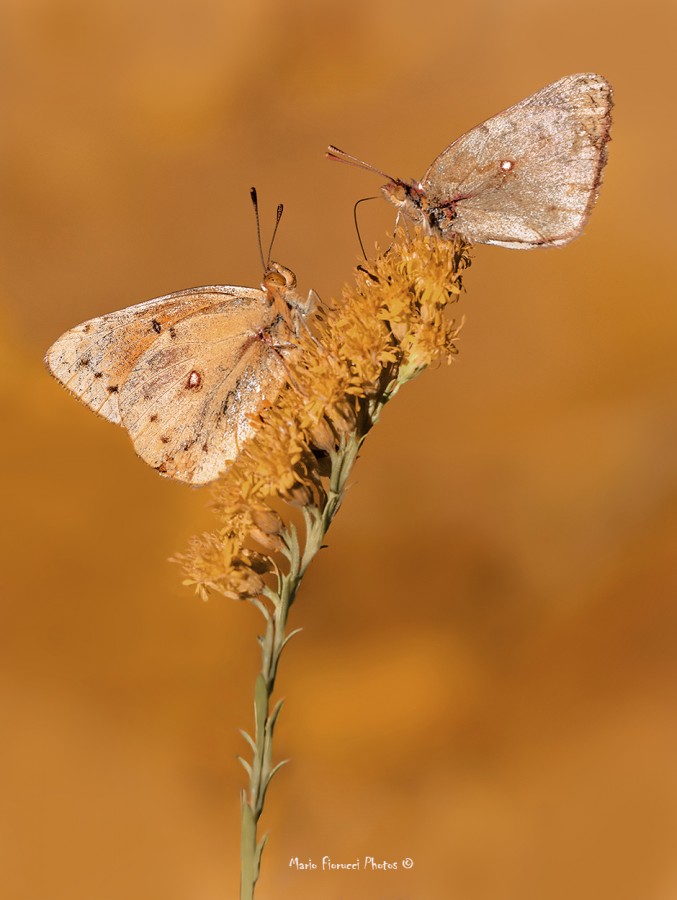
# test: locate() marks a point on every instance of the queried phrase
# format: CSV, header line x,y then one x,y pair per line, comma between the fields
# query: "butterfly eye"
x,y
276,278
395,191
279,276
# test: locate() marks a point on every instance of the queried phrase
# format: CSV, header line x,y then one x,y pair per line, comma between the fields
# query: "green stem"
x,y
261,769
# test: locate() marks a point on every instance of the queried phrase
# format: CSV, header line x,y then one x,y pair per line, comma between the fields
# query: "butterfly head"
x,y
409,197
278,276
279,283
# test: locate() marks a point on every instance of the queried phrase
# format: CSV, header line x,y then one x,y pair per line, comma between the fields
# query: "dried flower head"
x,y
387,327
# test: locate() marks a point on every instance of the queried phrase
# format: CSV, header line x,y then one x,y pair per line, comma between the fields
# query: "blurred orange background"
x,y
487,677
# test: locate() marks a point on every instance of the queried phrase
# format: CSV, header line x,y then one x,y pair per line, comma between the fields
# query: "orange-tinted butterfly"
x,y
528,177
185,372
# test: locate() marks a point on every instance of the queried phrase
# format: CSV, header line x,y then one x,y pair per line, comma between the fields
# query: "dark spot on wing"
x,y
164,439
157,328
112,389
86,329
205,448
172,331
230,396
153,418
162,468
84,362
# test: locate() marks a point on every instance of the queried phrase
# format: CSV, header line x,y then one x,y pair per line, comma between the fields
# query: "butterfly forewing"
x,y
187,401
183,373
93,360
530,175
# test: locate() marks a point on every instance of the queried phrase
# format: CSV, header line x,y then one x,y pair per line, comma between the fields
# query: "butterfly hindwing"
x,y
530,175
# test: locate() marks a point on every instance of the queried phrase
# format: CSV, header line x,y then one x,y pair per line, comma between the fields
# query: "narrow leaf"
x,y
263,609
259,851
276,769
247,767
289,637
248,738
273,716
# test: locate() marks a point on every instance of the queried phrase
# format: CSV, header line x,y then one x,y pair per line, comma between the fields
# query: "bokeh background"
x,y
487,678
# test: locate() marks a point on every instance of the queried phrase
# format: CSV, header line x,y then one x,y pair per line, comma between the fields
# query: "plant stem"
x,y
275,613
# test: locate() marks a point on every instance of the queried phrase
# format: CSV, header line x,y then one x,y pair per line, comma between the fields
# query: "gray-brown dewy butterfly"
x,y
528,177
183,373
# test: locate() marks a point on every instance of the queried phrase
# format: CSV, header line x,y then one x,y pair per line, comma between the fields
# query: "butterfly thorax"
x,y
411,199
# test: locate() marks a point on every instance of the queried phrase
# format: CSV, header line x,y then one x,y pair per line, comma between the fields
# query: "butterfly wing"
x,y
181,373
92,360
187,400
529,176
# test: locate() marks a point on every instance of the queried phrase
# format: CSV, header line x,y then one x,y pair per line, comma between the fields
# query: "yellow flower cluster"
x,y
387,328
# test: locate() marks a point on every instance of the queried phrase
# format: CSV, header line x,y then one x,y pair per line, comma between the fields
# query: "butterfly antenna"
x,y
255,204
341,156
280,210
357,227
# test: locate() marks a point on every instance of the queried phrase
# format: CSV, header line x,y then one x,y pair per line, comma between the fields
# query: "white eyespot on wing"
x,y
530,175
